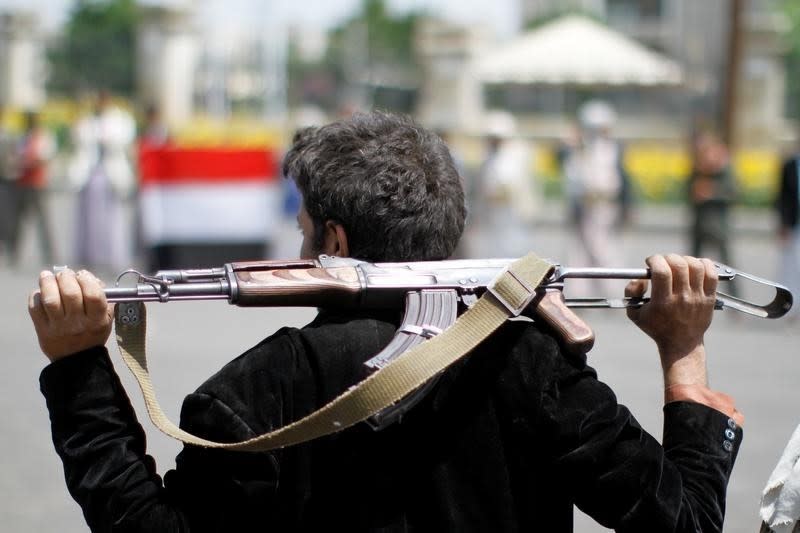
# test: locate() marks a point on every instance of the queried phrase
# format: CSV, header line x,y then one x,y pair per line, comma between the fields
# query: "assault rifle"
x,y
432,293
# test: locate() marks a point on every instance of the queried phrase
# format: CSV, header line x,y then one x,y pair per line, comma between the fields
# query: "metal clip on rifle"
x,y
432,293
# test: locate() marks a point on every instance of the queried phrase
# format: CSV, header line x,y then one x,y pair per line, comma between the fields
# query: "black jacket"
x,y
788,201
509,440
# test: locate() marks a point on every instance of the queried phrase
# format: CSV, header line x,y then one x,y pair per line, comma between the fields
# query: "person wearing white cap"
x,y
596,181
509,197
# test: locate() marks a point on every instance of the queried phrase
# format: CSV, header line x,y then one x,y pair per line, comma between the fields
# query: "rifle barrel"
x,y
146,292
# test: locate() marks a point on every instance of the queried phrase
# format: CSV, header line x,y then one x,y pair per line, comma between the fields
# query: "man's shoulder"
x,y
298,354
531,355
276,352
335,328
293,371
530,336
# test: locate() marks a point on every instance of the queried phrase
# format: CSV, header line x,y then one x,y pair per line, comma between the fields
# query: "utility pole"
x,y
735,45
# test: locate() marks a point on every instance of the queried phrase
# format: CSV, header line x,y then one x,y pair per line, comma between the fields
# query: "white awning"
x,y
574,50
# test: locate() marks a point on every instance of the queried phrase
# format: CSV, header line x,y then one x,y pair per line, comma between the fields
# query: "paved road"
x,y
754,360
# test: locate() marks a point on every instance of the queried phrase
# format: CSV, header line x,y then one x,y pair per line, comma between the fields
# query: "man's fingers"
x,y
711,279
636,288
71,293
35,309
660,277
50,296
94,298
697,274
680,273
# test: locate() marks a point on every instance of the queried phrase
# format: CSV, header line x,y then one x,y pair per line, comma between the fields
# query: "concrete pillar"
x,y
166,61
22,63
451,95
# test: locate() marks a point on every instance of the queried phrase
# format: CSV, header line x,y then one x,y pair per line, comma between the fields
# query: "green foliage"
x,y
387,37
390,38
373,39
559,12
96,49
310,82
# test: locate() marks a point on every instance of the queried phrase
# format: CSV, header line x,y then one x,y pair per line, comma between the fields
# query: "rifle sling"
x,y
510,293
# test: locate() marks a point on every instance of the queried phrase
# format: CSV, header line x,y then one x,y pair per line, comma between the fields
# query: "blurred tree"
x,y
96,49
558,12
371,48
388,38
311,81
791,9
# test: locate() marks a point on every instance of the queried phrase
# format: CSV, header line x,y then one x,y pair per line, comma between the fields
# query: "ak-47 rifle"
x,y
433,294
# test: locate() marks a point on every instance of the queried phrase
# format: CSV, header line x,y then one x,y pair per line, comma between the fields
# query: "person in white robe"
x,y
102,173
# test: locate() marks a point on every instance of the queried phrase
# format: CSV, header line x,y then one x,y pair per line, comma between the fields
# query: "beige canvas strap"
x,y
511,292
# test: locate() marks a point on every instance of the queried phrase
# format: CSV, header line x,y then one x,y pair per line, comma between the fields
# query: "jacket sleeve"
x,y
613,469
627,480
107,470
102,447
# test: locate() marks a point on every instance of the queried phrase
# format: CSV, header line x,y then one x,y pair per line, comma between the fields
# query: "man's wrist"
x,y
684,366
703,395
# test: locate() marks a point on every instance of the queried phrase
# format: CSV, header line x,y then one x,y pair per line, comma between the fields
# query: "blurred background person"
x,y
102,173
567,152
508,199
31,161
153,133
595,186
788,206
712,191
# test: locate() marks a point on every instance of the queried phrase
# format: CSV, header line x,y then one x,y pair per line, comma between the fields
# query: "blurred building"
x,y
696,35
545,74
185,72
245,73
449,98
166,60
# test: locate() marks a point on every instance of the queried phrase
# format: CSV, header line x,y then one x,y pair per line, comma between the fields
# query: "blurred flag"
x,y
208,196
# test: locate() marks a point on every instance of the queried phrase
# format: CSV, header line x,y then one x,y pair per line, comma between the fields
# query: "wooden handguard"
x,y
577,336
300,287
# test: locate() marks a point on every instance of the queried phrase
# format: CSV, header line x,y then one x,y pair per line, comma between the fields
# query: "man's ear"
x,y
335,240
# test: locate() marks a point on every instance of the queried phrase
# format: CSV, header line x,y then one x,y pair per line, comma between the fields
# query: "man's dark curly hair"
x,y
390,183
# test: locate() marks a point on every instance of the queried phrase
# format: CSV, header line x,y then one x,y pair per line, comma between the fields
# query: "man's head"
x,y
384,185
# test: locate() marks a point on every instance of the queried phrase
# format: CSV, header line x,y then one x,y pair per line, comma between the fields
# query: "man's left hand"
x,y
678,314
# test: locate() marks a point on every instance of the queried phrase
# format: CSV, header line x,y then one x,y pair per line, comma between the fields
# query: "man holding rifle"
x,y
509,439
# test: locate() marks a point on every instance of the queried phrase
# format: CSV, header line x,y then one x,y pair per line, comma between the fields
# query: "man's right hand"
x,y
678,314
70,313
